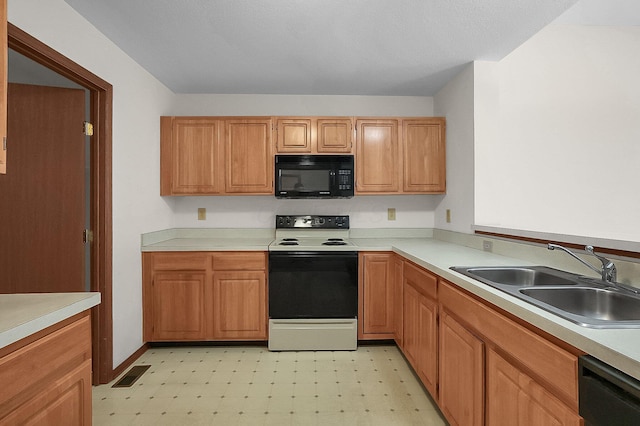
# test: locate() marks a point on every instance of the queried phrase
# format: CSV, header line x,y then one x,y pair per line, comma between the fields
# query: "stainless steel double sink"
x,y
588,302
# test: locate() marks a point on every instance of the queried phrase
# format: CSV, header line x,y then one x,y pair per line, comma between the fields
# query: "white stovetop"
x,y
311,240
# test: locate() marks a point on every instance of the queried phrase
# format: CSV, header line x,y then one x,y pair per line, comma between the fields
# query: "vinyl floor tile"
x,y
249,385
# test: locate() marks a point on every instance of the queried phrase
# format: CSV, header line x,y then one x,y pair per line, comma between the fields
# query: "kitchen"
x,y
462,101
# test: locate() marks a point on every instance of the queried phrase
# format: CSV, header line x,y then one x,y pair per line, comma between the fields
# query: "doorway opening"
x,y
99,272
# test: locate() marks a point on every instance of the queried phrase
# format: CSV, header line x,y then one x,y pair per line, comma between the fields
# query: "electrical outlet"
x,y
487,245
448,216
391,214
202,213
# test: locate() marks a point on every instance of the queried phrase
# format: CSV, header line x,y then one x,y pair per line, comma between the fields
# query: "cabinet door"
x,y
64,401
178,310
335,135
377,294
377,156
420,342
427,356
398,300
293,135
411,324
249,156
239,305
461,390
424,155
513,398
3,86
191,162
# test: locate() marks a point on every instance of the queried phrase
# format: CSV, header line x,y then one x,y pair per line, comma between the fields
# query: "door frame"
x,y
101,95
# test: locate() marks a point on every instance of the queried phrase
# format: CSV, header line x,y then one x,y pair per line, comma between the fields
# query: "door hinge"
x,y
4,143
87,128
87,236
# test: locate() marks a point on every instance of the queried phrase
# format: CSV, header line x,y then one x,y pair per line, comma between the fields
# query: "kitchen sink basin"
x,y
588,302
520,276
596,303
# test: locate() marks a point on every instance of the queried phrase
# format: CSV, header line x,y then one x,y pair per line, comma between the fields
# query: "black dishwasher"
x,y
607,395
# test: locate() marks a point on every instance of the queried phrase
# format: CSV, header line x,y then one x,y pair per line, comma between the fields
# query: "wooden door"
x,y
240,305
377,295
191,160
334,135
42,217
179,308
249,156
3,86
377,156
461,374
513,398
424,155
293,135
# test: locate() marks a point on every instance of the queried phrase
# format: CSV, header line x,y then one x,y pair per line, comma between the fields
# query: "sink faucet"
x,y
608,271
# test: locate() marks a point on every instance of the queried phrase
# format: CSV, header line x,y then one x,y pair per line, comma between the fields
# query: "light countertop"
x,y
617,347
22,315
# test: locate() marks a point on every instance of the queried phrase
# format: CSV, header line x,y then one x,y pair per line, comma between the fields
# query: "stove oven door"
x,y
307,285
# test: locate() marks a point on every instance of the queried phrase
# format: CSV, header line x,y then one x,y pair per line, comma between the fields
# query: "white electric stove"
x,y
313,284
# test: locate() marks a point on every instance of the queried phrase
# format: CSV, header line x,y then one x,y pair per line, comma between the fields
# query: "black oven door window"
x,y
313,285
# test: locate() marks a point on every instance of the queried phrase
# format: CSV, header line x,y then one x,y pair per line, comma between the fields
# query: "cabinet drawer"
x,y
239,261
423,281
549,364
173,261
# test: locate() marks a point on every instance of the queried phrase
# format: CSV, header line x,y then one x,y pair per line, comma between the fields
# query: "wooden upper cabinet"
x,y
293,135
335,135
314,135
3,86
190,151
248,156
424,155
377,156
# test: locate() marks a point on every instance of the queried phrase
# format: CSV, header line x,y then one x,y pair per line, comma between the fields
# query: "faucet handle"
x,y
608,267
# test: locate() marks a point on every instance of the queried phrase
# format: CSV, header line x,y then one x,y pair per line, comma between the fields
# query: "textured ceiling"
x,y
315,47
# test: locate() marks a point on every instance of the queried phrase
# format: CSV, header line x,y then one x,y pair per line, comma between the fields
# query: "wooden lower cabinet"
x,y
199,296
376,293
178,299
239,305
420,334
48,381
398,300
496,371
513,398
461,392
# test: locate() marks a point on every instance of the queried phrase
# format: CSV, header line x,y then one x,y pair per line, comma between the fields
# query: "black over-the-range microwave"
x,y
314,176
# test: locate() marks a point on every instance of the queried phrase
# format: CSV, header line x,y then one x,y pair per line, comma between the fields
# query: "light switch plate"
x,y
202,213
391,214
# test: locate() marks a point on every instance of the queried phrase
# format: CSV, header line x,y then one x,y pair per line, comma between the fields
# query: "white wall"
x,y
259,212
138,100
566,158
412,211
455,102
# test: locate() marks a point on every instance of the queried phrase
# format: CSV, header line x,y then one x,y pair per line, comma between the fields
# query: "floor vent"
x,y
131,376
